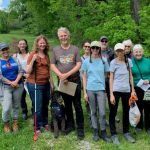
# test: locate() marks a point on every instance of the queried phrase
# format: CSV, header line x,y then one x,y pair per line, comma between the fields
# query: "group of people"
x,y
101,70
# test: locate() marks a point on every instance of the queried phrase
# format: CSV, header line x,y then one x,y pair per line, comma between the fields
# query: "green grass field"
x,y
23,140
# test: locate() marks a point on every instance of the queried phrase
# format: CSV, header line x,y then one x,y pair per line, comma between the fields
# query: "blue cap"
x,y
3,45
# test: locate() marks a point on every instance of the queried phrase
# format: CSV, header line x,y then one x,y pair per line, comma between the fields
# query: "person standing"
x,y
38,68
128,48
93,74
10,75
66,62
22,56
121,86
141,70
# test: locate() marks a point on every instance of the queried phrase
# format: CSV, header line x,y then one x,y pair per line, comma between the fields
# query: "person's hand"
x,y
112,99
145,82
14,84
34,57
63,76
86,97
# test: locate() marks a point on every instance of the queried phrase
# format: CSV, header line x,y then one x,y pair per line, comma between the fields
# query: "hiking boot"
x,y
36,135
129,138
15,126
7,128
115,140
95,135
105,137
80,134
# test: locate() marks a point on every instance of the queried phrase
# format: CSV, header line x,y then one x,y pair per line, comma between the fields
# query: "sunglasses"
x,y
4,49
104,41
95,47
127,46
87,46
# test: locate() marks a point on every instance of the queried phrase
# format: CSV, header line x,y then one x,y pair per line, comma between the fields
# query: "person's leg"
x,y
101,101
93,108
39,96
113,112
140,95
46,98
6,108
17,94
125,106
69,112
147,115
24,105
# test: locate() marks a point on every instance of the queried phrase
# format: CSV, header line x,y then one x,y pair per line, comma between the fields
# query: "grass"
x,y
23,140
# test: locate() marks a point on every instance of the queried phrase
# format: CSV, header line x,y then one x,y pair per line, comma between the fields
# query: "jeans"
x,y
76,101
12,98
113,111
97,99
42,102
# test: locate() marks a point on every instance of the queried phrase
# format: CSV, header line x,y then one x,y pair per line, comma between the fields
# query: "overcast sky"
x,y
4,3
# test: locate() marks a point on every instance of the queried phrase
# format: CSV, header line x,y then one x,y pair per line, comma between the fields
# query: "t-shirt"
x,y
22,60
121,76
42,70
144,65
10,68
95,72
65,60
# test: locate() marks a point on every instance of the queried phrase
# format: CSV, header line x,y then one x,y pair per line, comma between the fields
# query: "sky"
x,y
4,4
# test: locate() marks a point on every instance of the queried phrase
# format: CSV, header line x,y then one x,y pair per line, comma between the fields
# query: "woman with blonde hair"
x,y
38,68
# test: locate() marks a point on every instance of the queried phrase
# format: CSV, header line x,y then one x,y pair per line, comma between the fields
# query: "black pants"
x,y
113,111
108,93
143,105
23,102
76,101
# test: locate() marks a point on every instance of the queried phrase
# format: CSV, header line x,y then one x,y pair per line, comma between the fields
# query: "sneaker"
x,y
129,138
105,137
138,130
24,116
107,123
95,135
115,140
80,134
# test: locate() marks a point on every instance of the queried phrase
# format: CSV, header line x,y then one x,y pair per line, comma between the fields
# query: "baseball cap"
x,y
103,37
95,43
3,45
119,46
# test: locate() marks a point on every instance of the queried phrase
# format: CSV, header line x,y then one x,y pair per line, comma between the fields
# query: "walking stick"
x,y
35,137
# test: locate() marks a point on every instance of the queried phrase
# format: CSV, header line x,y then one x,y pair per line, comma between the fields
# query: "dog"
x,y
58,114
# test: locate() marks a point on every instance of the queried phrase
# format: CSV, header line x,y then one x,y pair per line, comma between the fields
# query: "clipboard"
x,y
69,88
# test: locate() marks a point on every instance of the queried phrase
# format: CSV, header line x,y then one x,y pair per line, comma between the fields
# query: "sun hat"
x,y
3,45
103,37
119,46
95,43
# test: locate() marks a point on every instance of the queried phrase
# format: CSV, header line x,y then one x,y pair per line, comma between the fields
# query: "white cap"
x,y
119,46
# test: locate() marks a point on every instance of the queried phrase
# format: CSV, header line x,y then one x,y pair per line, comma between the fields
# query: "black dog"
x,y
58,113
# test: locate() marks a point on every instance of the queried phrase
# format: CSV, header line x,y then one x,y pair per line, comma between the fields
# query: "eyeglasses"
x,y
127,46
95,47
104,41
87,46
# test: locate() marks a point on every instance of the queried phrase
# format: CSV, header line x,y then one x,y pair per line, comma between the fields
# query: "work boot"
x,y
105,137
7,128
95,135
80,134
15,126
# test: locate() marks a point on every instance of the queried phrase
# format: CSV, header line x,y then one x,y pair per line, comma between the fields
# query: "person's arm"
x,y
131,83
84,78
111,80
30,63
